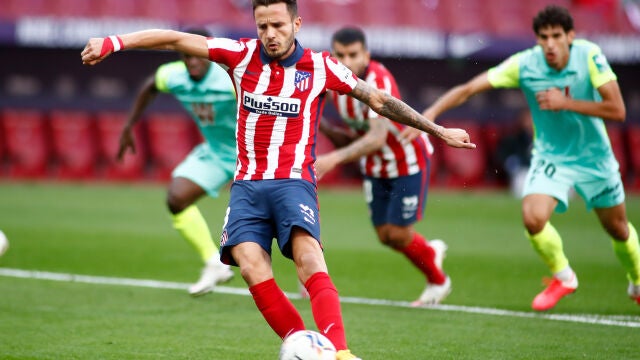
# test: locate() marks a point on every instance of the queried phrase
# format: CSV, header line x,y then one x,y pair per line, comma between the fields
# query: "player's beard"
x,y
282,51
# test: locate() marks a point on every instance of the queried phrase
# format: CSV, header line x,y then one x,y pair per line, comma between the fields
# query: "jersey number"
x,y
544,167
204,112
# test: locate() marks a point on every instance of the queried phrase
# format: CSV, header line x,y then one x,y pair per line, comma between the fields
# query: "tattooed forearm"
x,y
394,109
397,110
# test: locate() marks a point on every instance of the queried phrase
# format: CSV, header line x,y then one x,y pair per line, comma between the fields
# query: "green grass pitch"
x,y
123,231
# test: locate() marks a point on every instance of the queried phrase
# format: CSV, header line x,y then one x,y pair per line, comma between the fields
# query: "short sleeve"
x,y
339,77
506,74
228,52
599,70
163,74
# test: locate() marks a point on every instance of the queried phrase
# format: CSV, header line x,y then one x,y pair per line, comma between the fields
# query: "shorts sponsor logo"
x,y
309,214
409,206
613,192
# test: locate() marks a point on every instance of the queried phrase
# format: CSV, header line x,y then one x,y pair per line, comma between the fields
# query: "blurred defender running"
x,y
206,92
570,89
396,172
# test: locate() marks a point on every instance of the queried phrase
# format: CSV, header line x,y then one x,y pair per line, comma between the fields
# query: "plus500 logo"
x,y
271,105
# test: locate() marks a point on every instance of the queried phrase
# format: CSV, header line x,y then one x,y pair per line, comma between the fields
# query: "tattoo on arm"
x,y
394,109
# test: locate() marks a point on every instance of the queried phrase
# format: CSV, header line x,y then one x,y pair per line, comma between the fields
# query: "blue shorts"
x,y
206,168
261,210
600,185
398,201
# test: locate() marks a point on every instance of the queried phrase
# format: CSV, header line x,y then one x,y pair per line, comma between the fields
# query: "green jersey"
x,y
211,102
565,137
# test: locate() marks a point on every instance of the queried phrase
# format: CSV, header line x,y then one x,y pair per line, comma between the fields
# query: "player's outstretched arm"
x,y
396,110
97,49
458,95
144,97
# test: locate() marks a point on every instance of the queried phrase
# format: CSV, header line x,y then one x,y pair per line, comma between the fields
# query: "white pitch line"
x,y
628,321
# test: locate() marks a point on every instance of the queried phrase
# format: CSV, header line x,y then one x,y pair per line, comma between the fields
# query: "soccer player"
x,y
280,88
206,92
570,89
396,172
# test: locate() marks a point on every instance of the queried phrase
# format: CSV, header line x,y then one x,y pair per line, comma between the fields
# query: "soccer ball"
x,y
4,243
307,345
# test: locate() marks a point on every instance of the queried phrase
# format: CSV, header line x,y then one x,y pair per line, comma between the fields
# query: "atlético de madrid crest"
x,y
302,80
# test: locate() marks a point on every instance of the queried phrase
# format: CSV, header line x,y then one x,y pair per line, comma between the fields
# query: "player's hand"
x,y
126,142
91,52
324,164
551,99
457,138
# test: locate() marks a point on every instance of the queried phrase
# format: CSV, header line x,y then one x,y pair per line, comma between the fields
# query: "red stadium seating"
x,y
14,9
27,142
633,145
171,137
333,12
381,13
73,136
132,166
73,8
508,18
161,9
491,134
216,12
464,16
463,167
616,136
422,14
118,8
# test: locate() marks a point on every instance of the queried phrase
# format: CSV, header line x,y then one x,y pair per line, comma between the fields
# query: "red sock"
x,y
276,308
422,256
325,306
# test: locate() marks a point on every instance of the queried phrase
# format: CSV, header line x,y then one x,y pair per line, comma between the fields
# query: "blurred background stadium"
x,y
60,120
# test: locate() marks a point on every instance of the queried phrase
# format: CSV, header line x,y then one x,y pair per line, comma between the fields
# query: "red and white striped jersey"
x,y
393,159
279,104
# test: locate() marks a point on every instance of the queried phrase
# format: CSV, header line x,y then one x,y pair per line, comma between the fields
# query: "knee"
x,y
533,224
254,273
618,229
395,238
176,203
534,221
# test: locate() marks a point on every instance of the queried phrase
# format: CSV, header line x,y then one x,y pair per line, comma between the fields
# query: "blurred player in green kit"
x,y
206,92
570,89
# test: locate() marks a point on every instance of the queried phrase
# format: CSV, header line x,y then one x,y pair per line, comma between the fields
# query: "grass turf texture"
x,y
124,231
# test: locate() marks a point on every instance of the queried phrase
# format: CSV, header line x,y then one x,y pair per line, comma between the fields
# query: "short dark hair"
x,y
349,35
197,30
292,5
553,15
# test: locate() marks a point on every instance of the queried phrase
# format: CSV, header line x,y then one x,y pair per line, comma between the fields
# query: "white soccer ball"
x,y
4,243
307,345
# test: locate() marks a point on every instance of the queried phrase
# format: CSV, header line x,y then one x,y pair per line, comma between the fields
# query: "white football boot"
x,y
212,274
4,243
634,292
434,294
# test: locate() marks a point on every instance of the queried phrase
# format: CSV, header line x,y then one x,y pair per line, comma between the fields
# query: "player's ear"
x,y
571,35
296,24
